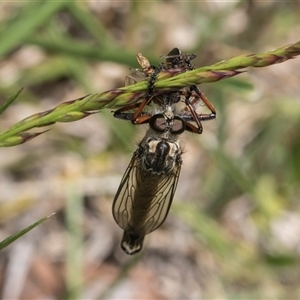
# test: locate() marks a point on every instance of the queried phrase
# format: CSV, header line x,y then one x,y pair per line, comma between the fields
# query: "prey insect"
x,y
147,188
192,96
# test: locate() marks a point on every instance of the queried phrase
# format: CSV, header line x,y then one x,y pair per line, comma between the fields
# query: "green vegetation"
x,y
233,230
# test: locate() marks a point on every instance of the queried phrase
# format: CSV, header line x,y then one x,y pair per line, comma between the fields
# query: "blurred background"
x,y
233,231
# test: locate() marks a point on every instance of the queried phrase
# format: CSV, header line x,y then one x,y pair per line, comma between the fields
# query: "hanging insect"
x,y
192,96
147,188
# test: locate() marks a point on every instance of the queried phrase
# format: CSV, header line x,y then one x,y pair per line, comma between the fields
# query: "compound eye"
x,y
158,122
178,125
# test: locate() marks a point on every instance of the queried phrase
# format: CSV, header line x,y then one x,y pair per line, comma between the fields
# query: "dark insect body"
x,y
147,188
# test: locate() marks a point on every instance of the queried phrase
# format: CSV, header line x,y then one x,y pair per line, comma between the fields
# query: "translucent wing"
x,y
143,199
123,200
134,77
161,200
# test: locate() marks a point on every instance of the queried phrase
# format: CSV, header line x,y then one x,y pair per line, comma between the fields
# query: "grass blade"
x,y
17,235
26,23
10,101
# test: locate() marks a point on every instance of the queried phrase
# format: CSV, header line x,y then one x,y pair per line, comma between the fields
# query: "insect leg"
x,y
142,118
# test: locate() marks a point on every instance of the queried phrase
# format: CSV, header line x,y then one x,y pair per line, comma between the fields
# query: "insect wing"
x,y
134,77
162,200
125,206
122,204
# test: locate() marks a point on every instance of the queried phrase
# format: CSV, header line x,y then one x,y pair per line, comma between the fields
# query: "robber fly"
x,y
148,186
192,95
